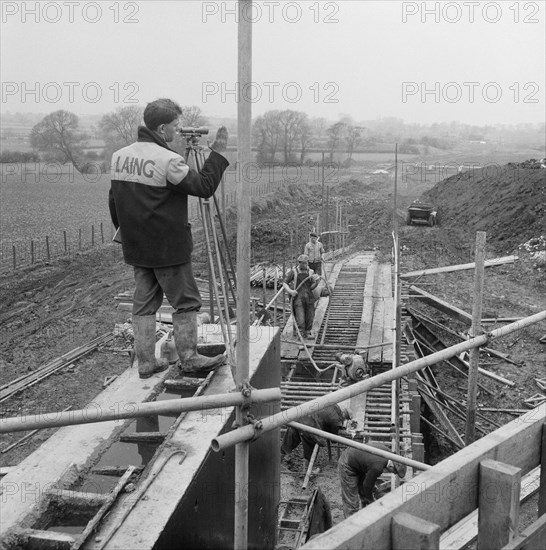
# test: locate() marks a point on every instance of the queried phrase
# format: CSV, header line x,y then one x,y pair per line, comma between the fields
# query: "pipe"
x,y
267,424
120,411
362,446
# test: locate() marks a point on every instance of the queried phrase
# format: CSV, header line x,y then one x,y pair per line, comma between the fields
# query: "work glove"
x,y
220,143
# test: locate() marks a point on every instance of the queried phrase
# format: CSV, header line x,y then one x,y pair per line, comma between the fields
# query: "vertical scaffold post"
x,y
244,117
476,330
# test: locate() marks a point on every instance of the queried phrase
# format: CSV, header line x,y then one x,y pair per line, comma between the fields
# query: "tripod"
x,y
215,258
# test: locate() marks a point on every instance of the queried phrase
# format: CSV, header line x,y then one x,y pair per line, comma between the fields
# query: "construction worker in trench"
x,y
300,283
314,250
358,471
330,419
148,202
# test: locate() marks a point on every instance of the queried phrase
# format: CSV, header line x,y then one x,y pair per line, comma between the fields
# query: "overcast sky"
x,y
475,62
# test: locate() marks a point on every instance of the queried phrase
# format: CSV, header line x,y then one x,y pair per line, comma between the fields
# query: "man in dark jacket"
x,y
330,419
358,471
148,202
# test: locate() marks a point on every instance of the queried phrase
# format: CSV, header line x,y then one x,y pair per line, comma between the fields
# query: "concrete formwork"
x,y
205,515
185,496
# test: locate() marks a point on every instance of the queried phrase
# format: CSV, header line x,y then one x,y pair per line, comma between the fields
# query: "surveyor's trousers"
x,y
177,282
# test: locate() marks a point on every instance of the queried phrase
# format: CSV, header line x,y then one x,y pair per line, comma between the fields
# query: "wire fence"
x,y
66,244
15,254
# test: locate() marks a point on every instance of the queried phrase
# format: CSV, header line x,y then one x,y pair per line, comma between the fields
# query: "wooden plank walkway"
x,y
382,317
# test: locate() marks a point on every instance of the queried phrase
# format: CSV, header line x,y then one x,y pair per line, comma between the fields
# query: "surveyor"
x,y
330,419
148,202
358,471
299,283
314,250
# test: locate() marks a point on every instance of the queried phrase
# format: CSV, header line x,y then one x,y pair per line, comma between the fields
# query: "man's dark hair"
x,y
160,111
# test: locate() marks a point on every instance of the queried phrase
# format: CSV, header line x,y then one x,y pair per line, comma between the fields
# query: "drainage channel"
x,y
339,332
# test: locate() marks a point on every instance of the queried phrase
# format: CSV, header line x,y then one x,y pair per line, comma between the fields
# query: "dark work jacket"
x,y
148,199
366,466
330,419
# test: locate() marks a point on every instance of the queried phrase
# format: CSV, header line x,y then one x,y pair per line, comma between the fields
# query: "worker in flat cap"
x,y
314,249
299,283
358,471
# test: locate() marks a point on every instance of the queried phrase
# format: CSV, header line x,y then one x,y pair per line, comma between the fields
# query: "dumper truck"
x,y
422,213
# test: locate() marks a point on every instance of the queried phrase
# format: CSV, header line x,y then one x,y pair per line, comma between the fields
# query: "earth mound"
x,y
507,202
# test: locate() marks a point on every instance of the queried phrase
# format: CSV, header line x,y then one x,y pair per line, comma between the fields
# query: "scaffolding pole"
x,y
273,422
396,314
362,446
244,158
121,411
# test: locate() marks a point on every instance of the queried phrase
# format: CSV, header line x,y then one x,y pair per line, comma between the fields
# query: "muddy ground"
x,y
50,309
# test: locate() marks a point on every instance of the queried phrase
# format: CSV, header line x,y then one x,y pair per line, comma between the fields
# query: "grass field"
x,y
39,200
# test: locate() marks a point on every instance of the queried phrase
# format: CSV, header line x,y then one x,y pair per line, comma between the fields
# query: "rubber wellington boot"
x,y
144,330
185,338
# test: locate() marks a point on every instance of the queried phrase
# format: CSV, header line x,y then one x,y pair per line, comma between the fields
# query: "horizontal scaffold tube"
x,y
120,411
362,446
251,431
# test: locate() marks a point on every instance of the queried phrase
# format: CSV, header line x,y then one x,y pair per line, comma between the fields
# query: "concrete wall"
x,y
205,515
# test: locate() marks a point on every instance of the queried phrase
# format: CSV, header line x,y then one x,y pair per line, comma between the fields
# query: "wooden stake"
x,y
475,330
310,467
498,498
542,487
410,532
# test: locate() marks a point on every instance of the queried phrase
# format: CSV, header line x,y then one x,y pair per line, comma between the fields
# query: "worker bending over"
x,y
358,471
331,419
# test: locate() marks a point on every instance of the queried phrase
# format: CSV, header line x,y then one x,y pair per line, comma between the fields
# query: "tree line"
x,y
59,138
279,136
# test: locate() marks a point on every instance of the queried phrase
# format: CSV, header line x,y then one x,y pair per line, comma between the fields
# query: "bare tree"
x,y
57,136
120,127
353,138
319,127
335,135
267,133
306,139
192,116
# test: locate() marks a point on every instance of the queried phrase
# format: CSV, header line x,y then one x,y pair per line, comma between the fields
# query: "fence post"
x,y
263,287
101,233
14,257
31,251
64,238
47,247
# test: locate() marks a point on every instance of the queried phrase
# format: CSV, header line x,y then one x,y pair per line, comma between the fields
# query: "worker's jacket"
x,y
149,199
295,277
365,466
